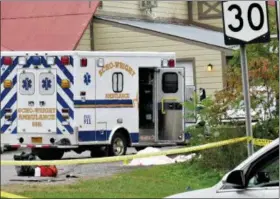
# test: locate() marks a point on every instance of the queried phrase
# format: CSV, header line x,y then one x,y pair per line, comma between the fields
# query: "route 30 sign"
x,y
245,22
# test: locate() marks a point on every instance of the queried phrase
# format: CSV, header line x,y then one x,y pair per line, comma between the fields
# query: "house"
x,y
192,29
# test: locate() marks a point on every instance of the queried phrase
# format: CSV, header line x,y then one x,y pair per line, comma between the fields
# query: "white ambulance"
x,y
54,102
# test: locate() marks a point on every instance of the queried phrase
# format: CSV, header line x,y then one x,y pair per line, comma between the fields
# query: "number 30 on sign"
x,y
245,22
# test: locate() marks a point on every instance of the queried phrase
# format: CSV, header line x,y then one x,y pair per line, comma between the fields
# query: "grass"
x,y
153,182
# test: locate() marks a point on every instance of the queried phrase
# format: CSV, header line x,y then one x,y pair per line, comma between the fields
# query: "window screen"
x,y
117,81
170,82
27,83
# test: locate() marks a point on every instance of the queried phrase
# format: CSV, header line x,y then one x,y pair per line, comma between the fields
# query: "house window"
x,y
209,10
117,82
170,82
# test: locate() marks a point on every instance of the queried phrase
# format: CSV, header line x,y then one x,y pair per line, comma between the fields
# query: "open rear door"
x,y
170,98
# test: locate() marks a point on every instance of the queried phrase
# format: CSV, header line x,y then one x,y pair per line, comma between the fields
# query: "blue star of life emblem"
x,y
26,83
87,79
46,83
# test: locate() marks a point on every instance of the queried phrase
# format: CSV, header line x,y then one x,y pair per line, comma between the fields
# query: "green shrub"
x,y
221,158
268,129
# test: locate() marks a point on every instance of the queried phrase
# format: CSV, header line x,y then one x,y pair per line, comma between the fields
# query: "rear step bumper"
x,y
39,146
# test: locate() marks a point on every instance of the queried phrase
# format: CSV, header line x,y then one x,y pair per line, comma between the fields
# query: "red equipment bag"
x,y
48,171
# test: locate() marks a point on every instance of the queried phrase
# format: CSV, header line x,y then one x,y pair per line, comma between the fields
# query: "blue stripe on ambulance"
x,y
6,91
69,94
60,118
65,105
6,126
64,70
9,70
9,104
66,90
88,136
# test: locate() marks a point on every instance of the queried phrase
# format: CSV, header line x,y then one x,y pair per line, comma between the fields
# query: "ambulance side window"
x,y
26,83
117,82
169,82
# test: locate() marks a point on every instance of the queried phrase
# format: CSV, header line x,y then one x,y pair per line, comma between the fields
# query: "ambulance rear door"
x,y
36,100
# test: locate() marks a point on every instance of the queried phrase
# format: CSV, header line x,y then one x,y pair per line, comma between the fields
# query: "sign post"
x,y
278,33
246,22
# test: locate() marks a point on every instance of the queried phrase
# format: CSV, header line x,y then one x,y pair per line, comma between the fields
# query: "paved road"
x,y
8,173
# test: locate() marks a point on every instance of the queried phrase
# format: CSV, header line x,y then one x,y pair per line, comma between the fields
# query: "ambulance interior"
x,y
146,123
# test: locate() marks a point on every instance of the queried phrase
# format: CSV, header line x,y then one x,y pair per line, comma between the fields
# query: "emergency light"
x,y
83,62
65,60
171,63
164,62
22,60
50,60
36,60
7,61
65,83
100,62
8,84
168,63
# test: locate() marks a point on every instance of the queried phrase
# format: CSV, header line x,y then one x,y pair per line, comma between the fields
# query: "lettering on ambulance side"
x,y
87,119
117,96
36,114
117,65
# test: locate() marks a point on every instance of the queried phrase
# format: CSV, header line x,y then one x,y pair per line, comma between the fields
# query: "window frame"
x,y
117,83
256,165
163,82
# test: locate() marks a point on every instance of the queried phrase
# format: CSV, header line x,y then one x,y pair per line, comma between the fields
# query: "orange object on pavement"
x,y
48,171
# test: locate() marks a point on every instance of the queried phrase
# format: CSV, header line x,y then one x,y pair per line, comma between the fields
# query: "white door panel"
x,y
36,101
26,102
46,104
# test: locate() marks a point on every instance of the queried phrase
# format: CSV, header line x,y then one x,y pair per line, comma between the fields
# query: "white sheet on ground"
x,y
158,160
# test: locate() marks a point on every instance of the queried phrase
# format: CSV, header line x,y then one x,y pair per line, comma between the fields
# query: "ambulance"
x,y
60,101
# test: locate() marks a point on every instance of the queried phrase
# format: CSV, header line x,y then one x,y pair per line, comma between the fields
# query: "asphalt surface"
x,y
9,176
8,173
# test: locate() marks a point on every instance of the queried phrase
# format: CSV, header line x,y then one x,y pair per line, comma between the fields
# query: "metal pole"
x,y
278,17
245,82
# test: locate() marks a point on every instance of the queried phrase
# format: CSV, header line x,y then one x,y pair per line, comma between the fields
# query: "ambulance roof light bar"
x,y
168,63
7,61
65,60
22,60
50,60
83,62
171,63
100,62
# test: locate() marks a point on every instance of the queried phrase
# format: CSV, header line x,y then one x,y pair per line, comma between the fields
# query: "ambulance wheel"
x,y
48,154
118,146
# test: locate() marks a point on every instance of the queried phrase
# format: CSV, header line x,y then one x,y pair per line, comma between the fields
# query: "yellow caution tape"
x,y
10,195
127,158
261,142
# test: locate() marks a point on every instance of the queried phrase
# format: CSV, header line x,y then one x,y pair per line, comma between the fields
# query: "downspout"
x,y
91,34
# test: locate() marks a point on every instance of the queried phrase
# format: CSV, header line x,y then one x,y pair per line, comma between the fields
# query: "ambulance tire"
x,y
119,143
49,154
